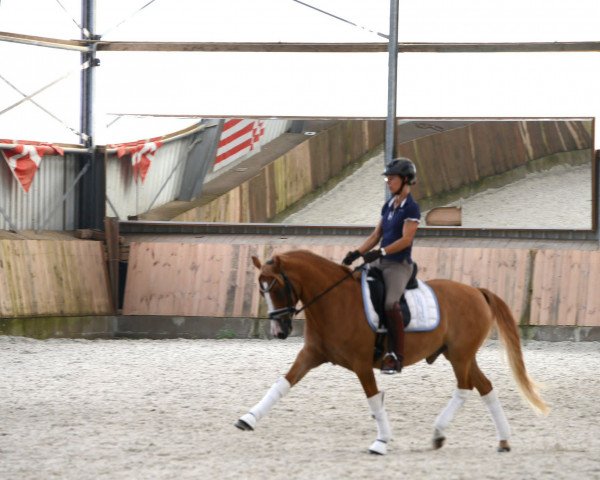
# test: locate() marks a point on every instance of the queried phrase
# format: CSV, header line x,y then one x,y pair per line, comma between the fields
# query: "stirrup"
x,y
390,364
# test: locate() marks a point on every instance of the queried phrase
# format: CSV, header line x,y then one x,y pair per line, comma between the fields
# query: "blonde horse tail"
x,y
509,334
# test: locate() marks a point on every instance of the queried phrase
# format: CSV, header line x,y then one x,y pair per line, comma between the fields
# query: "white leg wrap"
x,y
497,413
277,391
445,417
384,432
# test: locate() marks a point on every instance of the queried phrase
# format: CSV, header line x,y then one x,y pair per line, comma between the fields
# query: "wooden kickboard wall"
x,y
545,287
53,278
566,288
63,278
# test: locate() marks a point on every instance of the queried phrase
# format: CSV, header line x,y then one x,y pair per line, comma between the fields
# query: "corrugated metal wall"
x,y
271,128
129,197
41,207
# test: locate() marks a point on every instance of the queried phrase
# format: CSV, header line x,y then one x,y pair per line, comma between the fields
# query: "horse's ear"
x,y
256,262
276,262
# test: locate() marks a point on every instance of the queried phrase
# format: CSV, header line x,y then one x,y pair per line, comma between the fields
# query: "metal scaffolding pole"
x,y
92,197
390,124
87,75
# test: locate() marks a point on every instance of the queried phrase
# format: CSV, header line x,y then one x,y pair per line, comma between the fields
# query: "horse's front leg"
x,y
375,400
305,361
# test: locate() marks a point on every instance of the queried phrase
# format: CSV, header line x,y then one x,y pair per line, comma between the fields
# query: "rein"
x,y
327,290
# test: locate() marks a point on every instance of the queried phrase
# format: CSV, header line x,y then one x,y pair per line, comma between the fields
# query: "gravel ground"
x,y
164,409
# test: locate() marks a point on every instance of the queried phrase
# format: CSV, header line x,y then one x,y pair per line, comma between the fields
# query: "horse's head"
x,y
279,294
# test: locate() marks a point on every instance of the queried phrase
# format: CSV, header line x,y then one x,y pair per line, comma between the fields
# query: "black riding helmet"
x,y
404,167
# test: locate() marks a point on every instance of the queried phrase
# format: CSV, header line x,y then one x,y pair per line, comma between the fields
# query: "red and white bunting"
x,y
24,159
239,137
142,155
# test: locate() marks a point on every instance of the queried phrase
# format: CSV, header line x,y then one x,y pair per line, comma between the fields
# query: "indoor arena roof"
x,y
140,94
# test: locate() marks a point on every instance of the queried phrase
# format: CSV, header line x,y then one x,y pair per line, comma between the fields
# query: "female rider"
x,y
396,229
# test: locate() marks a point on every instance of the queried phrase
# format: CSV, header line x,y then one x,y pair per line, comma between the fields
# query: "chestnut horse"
x,y
336,331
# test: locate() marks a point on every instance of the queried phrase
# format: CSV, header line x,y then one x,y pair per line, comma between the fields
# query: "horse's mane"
x,y
308,256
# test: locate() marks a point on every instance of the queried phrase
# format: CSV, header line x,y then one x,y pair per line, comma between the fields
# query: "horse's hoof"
x,y
243,425
246,422
438,442
504,447
378,447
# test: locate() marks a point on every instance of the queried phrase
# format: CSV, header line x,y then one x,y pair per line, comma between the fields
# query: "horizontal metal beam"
x,y
372,47
508,233
347,47
240,47
67,148
202,228
76,45
532,47
339,118
209,228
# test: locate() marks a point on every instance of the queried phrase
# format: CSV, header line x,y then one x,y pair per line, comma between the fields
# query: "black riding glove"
x,y
372,255
350,257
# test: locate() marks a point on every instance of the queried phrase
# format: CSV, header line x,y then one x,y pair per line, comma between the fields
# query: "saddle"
x,y
420,310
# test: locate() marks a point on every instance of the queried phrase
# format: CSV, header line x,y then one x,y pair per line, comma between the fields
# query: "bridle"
x,y
290,310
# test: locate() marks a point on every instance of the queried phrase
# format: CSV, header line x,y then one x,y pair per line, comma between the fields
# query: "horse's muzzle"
x,y
281,327
281,322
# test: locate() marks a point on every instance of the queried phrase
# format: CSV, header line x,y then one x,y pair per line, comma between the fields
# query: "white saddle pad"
x,y
424,308
422,303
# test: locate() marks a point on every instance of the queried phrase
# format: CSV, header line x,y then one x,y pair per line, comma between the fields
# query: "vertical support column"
x,y
87,33
92,195
390,124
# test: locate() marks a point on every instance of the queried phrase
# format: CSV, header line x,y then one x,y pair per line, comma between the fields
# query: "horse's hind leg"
x,y
442,421
375,401
305,361
461,370
489,397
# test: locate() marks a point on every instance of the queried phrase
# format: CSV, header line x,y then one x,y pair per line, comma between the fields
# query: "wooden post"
x,y
111,227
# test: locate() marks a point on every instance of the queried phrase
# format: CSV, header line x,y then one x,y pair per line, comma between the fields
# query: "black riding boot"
x,y
392,361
